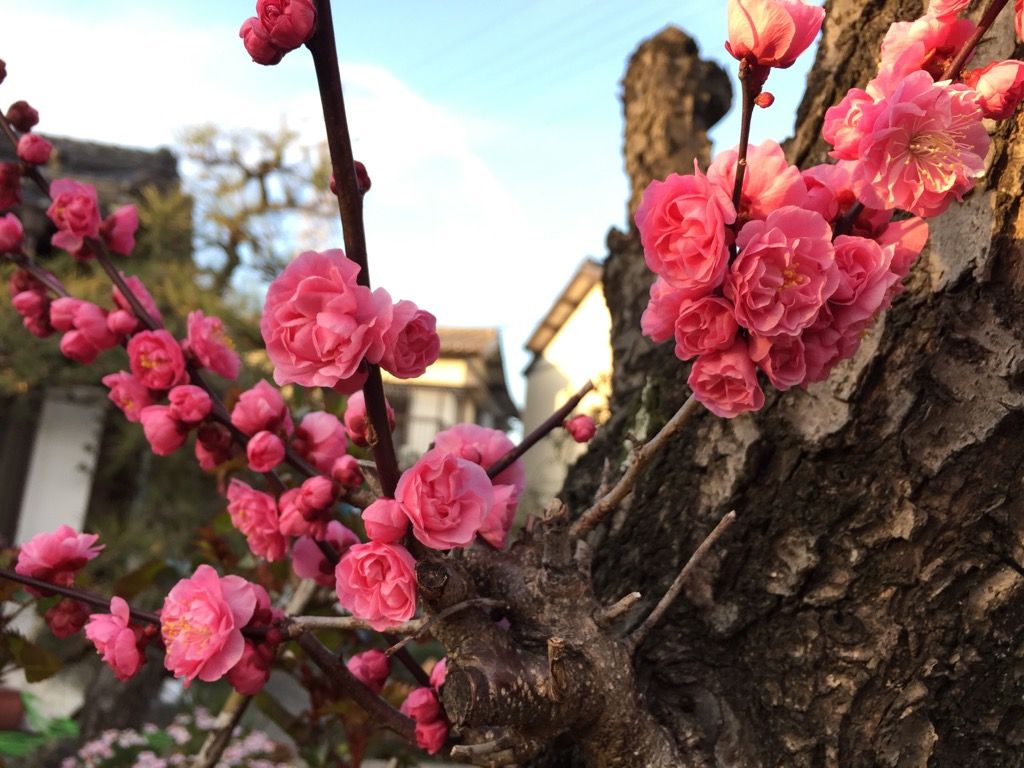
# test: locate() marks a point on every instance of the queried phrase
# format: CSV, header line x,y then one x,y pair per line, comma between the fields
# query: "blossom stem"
x,y
26,262
29,170
301,624
984,24
641,632
551,422
76,594
750,87
610,500
350,207
379,710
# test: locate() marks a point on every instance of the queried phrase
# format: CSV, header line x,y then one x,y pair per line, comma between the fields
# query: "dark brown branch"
x,y
640,633
476,602
984,24
750,88
382,712
551,422
74,593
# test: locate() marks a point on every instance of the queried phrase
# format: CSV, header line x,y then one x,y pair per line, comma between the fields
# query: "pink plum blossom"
x,y
138,289
865,279
56,556
923,146
209,344
304,509
118,230
288,23
581,427
127,393
201,623
725,382
385,521
115,640
261,408
1000,88
411,344
421,705
163,431
321,439
784,273
929,43
769,183
85,326
254,513
772,33
11,233
659,319
257,42
156,359
371,668
683,228
704,325
264,451
308,560
75,213
319,324
189,404
377,582
439,673
842,126
121,323
781,358
34,149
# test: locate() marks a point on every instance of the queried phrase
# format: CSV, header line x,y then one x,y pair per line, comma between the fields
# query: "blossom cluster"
x,y
784,279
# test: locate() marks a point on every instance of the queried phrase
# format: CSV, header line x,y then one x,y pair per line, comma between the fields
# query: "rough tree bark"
x,y
866,609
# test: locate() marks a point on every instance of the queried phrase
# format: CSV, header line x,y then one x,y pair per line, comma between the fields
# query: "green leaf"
x,y
18,744
38,663
140,579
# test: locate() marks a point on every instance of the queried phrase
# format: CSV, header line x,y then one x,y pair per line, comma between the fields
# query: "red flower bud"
x,y
22,116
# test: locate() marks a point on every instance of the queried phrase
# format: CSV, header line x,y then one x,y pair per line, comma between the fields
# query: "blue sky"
x,y
491,130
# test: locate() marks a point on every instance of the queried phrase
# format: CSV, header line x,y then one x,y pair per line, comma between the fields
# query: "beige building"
x,y
466,385
571,345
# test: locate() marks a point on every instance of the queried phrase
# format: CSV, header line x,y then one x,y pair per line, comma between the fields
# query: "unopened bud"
x,y
3,70
22,116
362,177
764,99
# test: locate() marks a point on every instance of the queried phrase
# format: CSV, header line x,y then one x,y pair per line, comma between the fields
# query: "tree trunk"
x,y
867,607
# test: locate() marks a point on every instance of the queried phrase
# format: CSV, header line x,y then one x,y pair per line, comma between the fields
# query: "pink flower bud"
x,y
371,668
288,23
772,33
31,304
121,323
421,705
347,472
264,451
189,404
362,177
34,149
764,99
254,513
261,408
127,393
257,43
411,344
22,116
251,672
1000,87
115,640
316,493
439,673
431,736
209,344
164,432
118,230
66,618
581,427
385,521
320,439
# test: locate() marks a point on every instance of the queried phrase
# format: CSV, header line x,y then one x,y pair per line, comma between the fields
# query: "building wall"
x,y
580,350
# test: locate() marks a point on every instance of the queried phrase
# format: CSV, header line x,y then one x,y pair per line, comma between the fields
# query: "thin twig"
x,y
301,624
608,502
476,602
607,615
551,422
748,88
89,598
640,633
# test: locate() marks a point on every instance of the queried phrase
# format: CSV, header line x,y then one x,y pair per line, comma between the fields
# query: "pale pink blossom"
x,y
411,344
127,393
385,521
156,359
923,147
115,640
264,451
704,325
210,345
865,279
432,735
769,182
377,582
725,382
34,149
784,273
11,233
356,421
659,318
928,43
189,404
121,323
56,556
421,705
683,228
485,446
164,433
842,126
346,471
34,308
319,324
254,513
908,238
830,193
261,408
1000,88
288,23
371,668
118,230
202,621
138,289
947,7
308,560
581,427
772,33
75,212
66,618
781,358
321,439
257,42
